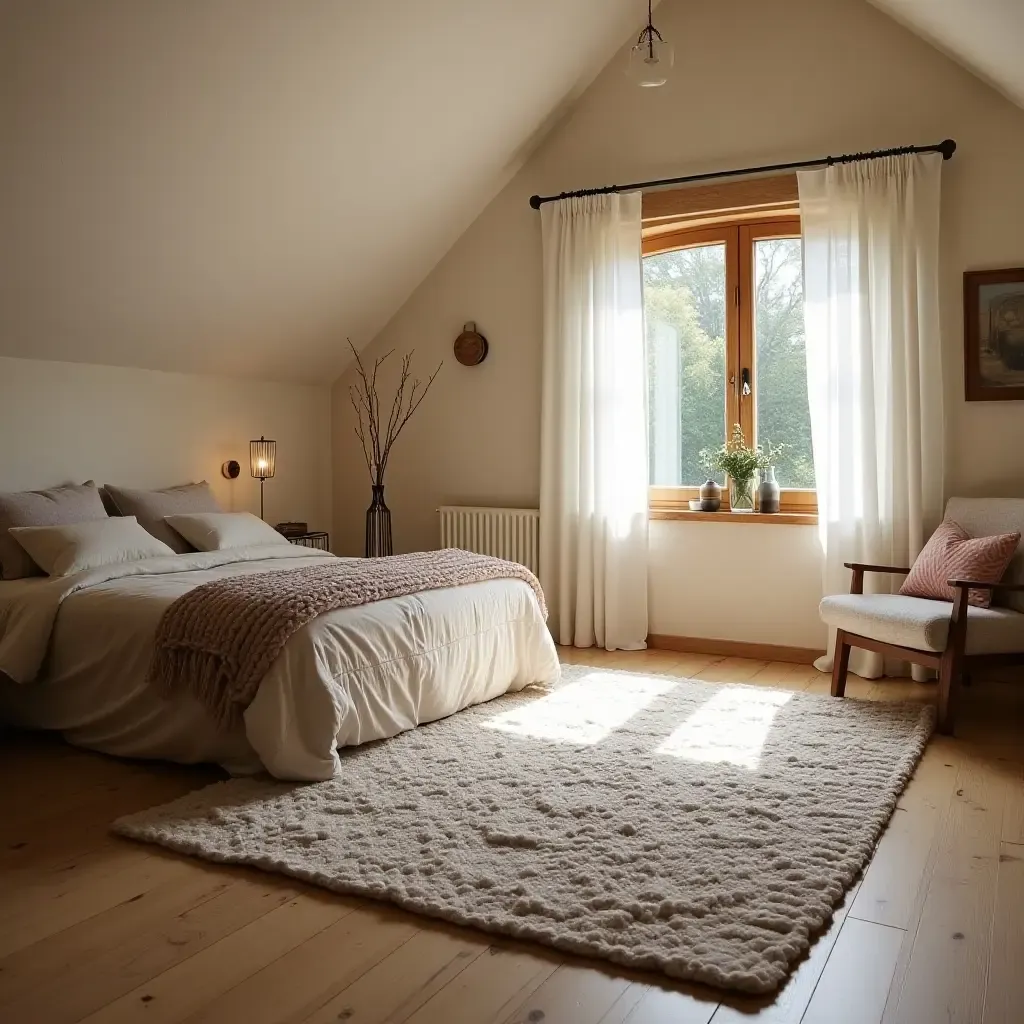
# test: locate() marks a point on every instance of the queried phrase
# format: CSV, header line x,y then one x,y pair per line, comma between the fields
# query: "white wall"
x,y
756,83
67,422
736,581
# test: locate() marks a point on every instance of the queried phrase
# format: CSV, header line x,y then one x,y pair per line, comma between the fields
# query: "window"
x,y
723,308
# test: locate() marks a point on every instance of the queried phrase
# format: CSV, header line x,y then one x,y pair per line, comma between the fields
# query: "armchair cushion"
x,y
983,517
952,552
923,624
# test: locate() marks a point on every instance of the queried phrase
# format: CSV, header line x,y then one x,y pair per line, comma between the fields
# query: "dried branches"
x,y
376,437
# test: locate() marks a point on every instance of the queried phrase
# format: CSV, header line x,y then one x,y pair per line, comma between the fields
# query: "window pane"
x,y
782,409
684,313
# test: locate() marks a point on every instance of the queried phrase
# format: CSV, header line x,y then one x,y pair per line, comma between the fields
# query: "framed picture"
x,y
994,335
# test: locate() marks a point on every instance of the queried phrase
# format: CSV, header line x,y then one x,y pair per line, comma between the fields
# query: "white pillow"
x,y
73,547
215,531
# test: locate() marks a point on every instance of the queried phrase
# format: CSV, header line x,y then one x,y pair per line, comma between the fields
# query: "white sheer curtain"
x,y
874,373
593,493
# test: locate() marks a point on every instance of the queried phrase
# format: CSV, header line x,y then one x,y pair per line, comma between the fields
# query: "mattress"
x,y
79,652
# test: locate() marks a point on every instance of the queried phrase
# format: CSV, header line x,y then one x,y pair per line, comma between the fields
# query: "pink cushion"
x,y
952,553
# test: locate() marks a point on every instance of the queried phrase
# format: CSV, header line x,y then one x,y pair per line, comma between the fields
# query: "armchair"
x,y
953,638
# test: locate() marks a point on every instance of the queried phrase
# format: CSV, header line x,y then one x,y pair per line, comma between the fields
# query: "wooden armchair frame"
x,y
952,664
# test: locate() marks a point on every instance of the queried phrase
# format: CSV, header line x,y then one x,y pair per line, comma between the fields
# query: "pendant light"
x,y
650,61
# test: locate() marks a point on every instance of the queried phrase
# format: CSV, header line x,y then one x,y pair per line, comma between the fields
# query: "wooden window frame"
x,y
738,233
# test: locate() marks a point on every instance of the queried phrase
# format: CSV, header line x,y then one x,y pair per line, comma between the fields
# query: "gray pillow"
x,y
150,507
57,506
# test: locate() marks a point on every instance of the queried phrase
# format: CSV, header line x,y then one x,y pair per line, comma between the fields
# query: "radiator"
x,y
511,533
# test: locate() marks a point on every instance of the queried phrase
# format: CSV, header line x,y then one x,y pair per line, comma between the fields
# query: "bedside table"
x,y
318,539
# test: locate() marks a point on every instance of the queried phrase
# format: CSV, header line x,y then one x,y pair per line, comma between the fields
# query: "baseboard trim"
x,y
733,648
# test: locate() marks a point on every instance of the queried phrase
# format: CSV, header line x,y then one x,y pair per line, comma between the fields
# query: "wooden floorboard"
x,y
1004,999
855,983
490,988
788,1005
201,979
583,994
106,956
395,988
1013,814
99,930
945,976
889,893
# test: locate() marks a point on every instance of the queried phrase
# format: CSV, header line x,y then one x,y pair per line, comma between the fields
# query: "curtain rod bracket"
x,y
947,148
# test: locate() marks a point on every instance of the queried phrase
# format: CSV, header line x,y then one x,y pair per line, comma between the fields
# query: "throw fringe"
x,y
204,675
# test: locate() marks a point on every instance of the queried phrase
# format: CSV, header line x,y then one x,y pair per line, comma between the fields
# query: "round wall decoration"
x,y
470,345
230,469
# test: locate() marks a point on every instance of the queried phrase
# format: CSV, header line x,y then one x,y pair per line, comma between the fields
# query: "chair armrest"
x,y
979,585
863,567
859,568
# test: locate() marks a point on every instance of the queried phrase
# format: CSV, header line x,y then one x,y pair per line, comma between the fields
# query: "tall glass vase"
x,y
378,525
741,494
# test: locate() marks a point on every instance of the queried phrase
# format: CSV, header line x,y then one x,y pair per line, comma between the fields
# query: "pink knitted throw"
x,y
217,641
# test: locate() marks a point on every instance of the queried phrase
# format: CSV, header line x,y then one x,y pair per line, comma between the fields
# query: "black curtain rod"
x,y
947,148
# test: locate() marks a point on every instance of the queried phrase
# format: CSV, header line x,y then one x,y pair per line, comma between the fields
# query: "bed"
x,y
76,651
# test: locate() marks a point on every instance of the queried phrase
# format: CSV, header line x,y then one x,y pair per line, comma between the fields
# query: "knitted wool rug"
x,y
661,823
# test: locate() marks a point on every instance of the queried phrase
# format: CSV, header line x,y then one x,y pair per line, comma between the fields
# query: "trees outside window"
x,y
724,327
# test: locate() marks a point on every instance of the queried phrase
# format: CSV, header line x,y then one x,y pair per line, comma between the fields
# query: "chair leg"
x,y
949,683
952,664
840,664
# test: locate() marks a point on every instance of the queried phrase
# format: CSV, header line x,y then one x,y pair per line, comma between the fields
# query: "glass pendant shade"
x,y
651,60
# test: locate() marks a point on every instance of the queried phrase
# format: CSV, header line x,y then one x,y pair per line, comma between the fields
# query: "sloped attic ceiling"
x,y
235,186
985,36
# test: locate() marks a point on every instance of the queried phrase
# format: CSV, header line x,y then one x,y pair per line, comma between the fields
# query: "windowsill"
x,y
745,518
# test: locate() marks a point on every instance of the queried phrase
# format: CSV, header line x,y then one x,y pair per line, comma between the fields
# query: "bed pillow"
x,y
215,531
54,507
951,553
152,507
62,550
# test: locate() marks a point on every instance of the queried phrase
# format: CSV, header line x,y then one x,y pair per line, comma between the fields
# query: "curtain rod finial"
x,y
947,148
535,201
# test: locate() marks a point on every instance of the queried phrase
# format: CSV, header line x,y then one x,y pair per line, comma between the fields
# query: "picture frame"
x,y
994,335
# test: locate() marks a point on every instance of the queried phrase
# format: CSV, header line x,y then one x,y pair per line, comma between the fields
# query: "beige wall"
x,y
62,422
756,83
214,187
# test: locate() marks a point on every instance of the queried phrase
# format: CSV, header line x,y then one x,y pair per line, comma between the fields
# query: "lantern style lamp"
x,y
650,61
262,462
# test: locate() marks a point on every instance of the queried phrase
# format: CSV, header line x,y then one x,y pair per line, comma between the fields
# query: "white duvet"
x,y
76,651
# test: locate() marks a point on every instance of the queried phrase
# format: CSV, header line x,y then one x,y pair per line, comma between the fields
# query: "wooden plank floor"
x,y
98,929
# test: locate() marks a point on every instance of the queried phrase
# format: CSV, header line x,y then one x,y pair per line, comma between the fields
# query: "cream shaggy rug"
x,y
662,823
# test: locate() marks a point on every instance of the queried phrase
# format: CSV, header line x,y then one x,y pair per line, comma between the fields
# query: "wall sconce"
x,y
262,462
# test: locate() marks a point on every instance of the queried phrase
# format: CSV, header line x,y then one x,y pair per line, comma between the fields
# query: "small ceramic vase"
x,y
710,497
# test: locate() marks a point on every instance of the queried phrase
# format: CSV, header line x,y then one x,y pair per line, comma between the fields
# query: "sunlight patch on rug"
x,y
731,728
584,711
661,823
